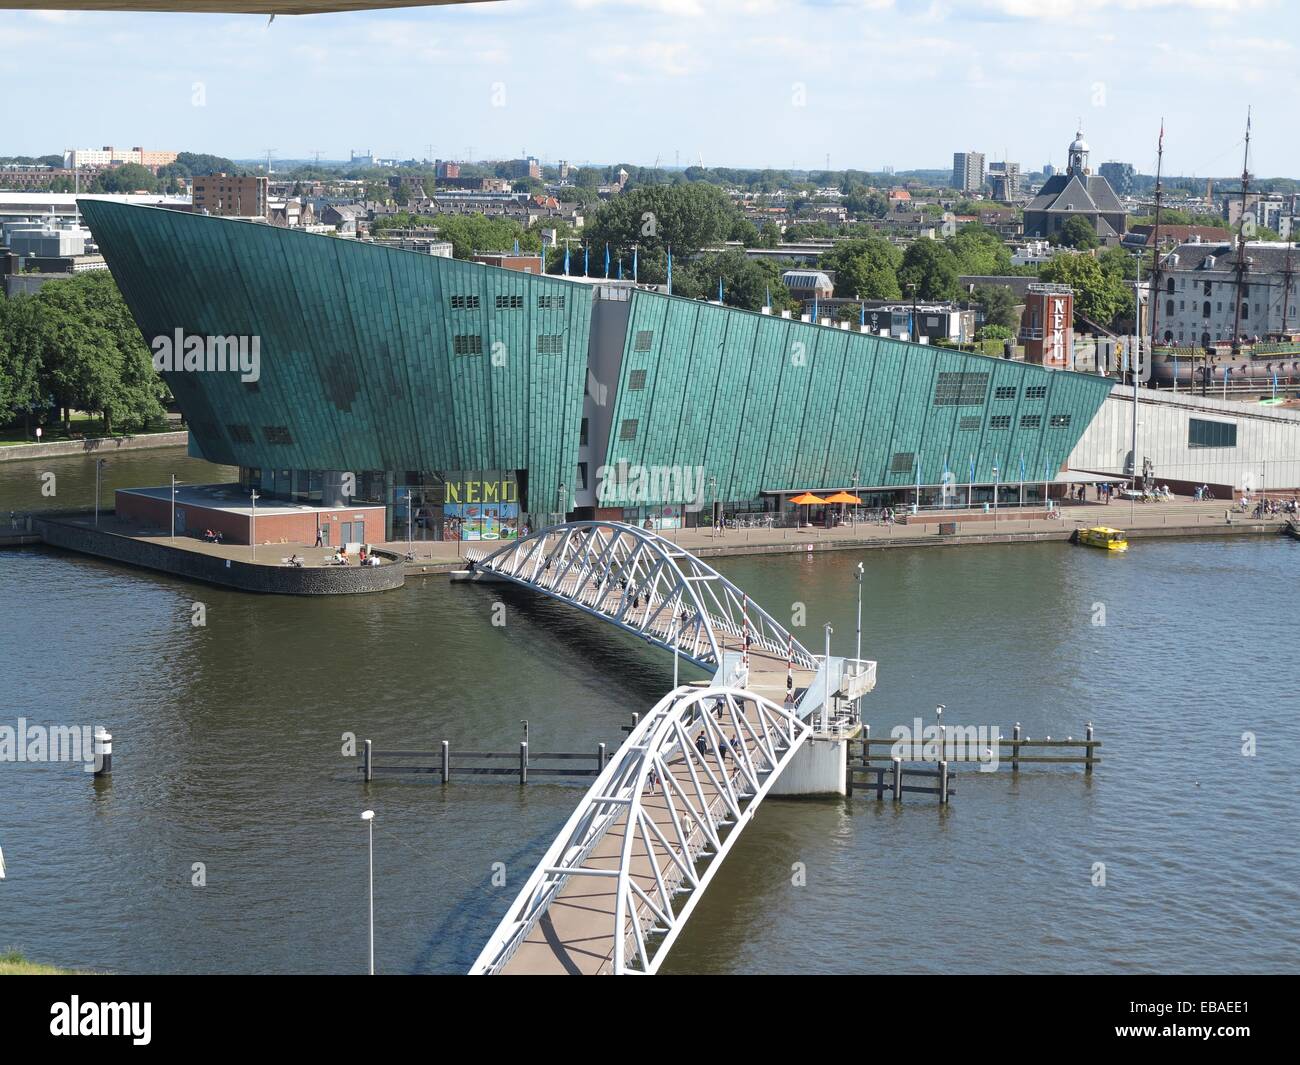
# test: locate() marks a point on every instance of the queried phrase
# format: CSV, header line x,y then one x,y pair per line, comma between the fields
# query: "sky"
x,y
745,83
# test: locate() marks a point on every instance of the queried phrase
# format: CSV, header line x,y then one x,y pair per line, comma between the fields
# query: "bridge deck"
x,y
576,933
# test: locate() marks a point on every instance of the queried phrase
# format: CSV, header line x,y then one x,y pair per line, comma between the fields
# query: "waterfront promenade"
x,y
1182,517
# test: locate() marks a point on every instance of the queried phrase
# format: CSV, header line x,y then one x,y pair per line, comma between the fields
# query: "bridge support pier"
x,y
819,767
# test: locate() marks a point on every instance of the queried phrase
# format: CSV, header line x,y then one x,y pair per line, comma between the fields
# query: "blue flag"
x,y
620,269
719,289
543,258
566,260
814,314
1022,465
606,260
862,317
670,269
585,272
516,245
769,297
634,271
972,467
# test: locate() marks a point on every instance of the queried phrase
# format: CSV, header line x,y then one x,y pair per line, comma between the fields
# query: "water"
x,y
228,740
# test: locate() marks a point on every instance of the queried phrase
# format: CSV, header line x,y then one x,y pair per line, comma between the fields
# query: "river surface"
x,y
229,765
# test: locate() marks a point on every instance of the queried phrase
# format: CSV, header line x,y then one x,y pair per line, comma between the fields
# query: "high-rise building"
x,y
233,197
1004,178
967,171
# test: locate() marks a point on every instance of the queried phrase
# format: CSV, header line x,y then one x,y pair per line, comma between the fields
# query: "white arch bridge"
x,y
615,888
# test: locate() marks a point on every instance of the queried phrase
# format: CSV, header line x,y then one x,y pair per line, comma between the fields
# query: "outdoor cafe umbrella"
x,y
845,498
807,499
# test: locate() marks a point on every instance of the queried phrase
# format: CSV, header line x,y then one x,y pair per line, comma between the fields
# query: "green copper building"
x,y
394,372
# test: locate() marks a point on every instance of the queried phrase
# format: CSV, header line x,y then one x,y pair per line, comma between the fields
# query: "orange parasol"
x,y
843,497
808,500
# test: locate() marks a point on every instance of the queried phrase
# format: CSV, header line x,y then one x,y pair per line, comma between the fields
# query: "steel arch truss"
x,y
646,585
617,885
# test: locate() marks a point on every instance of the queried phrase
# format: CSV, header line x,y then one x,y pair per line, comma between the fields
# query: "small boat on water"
x,y
1103,536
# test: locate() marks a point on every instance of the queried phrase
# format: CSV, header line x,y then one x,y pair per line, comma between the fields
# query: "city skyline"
x,y
778,89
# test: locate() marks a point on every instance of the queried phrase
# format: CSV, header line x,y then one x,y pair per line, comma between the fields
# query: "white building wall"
x,y
1267,454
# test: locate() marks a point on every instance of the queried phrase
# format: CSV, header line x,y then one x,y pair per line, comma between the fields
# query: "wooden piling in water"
x,y
523,762
369,764
446,762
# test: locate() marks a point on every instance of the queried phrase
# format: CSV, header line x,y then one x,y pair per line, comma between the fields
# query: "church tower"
x,y
1079,156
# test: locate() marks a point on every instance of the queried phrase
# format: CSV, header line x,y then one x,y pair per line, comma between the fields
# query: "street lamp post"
x,y
368,816
996,493
410,545
564,495
173,508
99,465
252,524
826,688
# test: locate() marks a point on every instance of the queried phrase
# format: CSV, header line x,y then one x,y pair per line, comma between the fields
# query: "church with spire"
x,y
1076,191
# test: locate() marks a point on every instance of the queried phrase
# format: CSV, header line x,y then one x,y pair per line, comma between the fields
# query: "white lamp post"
x,y
252,524
368,816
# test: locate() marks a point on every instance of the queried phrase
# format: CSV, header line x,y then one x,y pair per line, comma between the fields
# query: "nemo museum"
x,y
469,401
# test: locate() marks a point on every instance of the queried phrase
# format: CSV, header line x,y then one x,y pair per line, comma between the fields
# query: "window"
x,y
240,434
1245,310
644,339
1031,421
464,303
277,434
969,423
1059,421
961,389
1205,309
550,302
1207,289
902,462
512,302
1035,391
550,344
582,434
1202,433
582,476
627,431
636,380
1000,421
1004,392
467,344
1169,308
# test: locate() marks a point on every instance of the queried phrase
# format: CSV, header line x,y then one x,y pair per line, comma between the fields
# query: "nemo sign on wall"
x,y
1046,328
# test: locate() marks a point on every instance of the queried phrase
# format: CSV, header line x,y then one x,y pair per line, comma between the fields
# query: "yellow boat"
x,y
1104,537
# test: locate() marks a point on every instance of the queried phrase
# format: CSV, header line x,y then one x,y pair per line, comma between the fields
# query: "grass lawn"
x,y
14,964
81,426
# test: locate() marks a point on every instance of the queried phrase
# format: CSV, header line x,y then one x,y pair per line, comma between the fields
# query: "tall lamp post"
x,y
252,524
368,816
173,508
99,465
564,495
996,493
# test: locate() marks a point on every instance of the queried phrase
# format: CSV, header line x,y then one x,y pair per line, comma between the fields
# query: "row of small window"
x,y
969,390
273,434
472,344
471,303
1027,421
1191,282
1205,308
628,429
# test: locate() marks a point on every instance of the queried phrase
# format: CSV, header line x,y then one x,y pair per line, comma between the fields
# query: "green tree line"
x,y
73,346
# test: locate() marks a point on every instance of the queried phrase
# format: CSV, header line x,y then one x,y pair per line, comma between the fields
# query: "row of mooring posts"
x,y
525,763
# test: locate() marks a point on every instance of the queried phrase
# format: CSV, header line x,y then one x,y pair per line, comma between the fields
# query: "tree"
x,y
932,267
1099,294
998,305
1077,232
129,177
864,269
979,251
21,344
92,355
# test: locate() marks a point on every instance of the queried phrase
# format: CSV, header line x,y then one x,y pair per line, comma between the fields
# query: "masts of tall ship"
x,y
1241,265
1153,290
